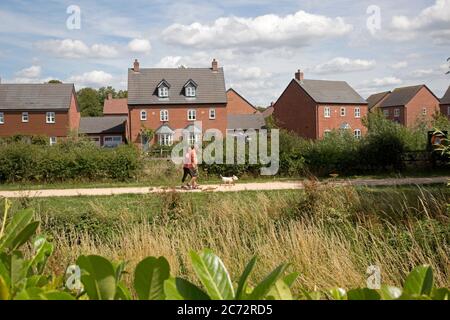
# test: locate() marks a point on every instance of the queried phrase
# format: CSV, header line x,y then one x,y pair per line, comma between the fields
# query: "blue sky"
x,y
259,43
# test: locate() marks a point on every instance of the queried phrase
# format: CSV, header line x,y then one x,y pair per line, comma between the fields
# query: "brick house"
x,y
313,108
445,103
238,105
106,131
375,100
167,99
38,109
408,105
115,107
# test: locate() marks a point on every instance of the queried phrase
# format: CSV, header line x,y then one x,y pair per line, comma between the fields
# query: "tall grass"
x,y
330,235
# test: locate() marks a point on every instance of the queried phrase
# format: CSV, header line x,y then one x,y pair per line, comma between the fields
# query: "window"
x,y
357,112
95,140
2,118
342,112
24,116
190,91
163,92
53,141
164,115
143,115
327,112
397,113
326,133
424,111
192,115
165,139
212,114
386,112
50,117
112,141
193,138
357,133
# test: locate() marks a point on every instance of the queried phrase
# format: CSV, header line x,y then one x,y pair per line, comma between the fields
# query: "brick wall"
x,y
74,113
389,113
445,110
336,120
423,99
177,118
238,105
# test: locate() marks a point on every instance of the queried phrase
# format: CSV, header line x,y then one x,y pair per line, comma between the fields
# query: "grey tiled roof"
x,y
268,112
35,96
376,98
401,96
96,125
446,98
142,86
325,91
246,121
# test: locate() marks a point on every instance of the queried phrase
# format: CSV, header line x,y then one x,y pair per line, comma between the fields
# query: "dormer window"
x,y
163,89
190,89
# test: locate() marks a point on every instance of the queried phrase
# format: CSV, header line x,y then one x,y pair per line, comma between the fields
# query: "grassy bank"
x,y
329,235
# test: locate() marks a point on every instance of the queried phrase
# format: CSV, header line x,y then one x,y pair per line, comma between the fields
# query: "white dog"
x,y
229,180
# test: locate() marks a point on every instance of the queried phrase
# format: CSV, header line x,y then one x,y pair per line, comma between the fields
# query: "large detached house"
x,y
376,99
165,100
445,103
38,109
313,108
408,105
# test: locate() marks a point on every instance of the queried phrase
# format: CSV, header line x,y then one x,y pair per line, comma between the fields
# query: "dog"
x,y
229,180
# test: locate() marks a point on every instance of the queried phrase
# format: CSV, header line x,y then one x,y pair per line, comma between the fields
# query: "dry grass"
x,y
329,235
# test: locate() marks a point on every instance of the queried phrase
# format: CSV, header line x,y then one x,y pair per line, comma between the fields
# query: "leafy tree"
x,y
90,105
54,81
448,72
103,93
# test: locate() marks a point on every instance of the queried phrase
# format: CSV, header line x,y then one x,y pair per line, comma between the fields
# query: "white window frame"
x,y
424,111
357,133
343,112
327,112
165,139
50,117
53,141
164,115
2,118
192,115
212,114
386,112
25,117
143,115
190,91
114,144
163,92
397,113
357,112
193,138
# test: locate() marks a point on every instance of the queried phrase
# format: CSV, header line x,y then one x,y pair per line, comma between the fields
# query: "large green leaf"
x,y
363,294
189,291
242,284
280,291
291,278
419,281
149,278
43,249
263,288
171,291
390,293
441,294
17,230
338,294
213,275
98,277
4,290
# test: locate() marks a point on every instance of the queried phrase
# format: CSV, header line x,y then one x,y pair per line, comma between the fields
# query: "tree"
x,y
90,106
104,91
55,81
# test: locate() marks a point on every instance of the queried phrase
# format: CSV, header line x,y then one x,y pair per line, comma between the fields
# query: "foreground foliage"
x,y
95,277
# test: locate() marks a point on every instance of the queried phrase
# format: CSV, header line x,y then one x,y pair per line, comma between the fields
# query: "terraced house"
x,y
38,109
313,108
166,99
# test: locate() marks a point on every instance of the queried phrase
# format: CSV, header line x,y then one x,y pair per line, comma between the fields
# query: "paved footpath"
x,y
217,188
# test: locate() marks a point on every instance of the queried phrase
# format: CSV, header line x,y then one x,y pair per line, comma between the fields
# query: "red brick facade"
x,y
239,105
296,111
445,110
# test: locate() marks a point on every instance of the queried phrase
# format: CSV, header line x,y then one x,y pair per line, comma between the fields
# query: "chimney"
x,y
215,65
109,96
299,76
136,65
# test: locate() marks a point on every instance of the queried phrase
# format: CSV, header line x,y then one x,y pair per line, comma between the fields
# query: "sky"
x,y
373,45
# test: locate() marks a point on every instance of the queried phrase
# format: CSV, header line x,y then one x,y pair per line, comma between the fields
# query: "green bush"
x,y
69,160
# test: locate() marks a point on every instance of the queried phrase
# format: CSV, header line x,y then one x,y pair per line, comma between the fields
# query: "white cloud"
x,y
69,48
170,62
383,82
31,72
294,30
140,46
419,73
340,64
94,78
246,73
399,65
